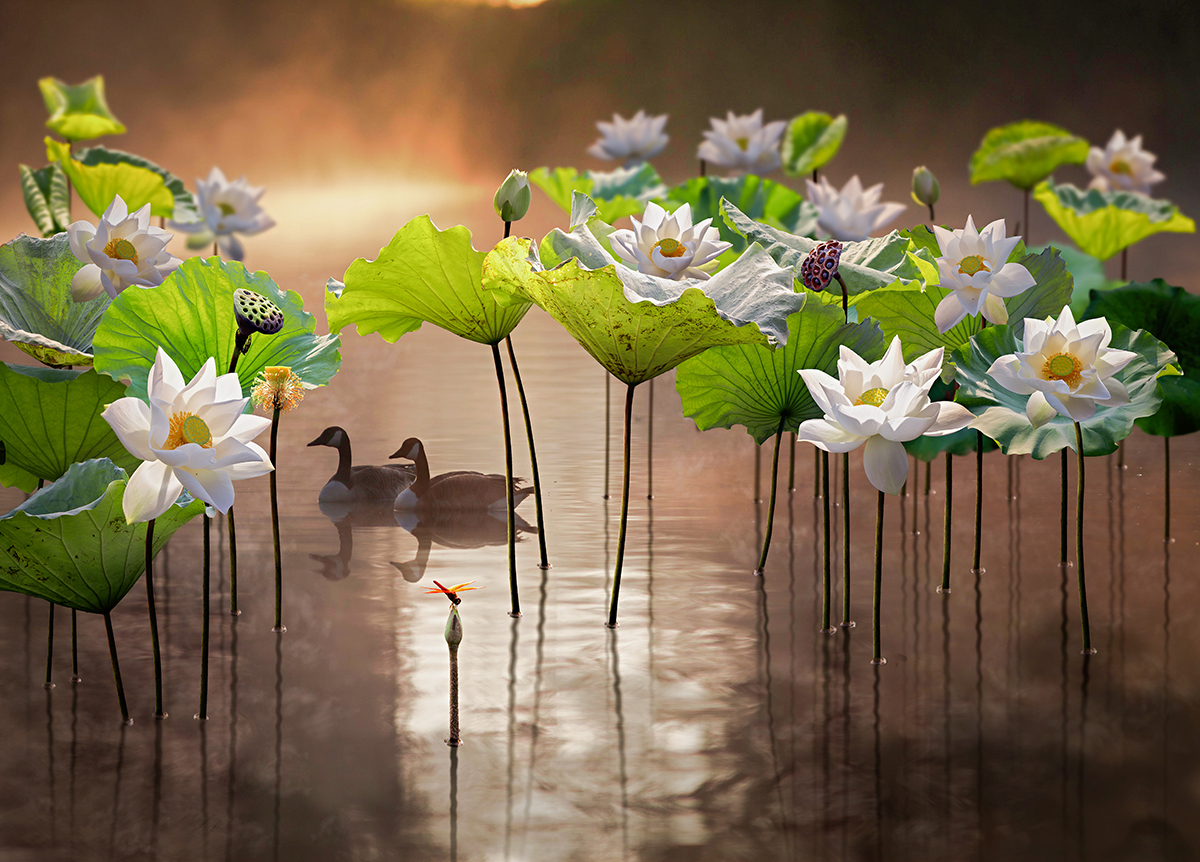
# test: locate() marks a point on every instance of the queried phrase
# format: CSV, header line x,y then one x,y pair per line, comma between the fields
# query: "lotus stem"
x,y
607,428
932,217
537,480
757,473
616,588
1124,263
847,623
202,715
49,683
74,649
814,175
508,490
1062,543
507,229
944,587
650,445
455,739
792,462
216,250
762,560
233,607
876,657
816,472
975,567
845,297
1083,608
116,666
239,345
928,474
159,713
279,626
1027,232
1166,489
826,625
703,168
913,492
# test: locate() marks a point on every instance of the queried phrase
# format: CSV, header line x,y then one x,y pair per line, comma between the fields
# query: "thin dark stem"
x,y
978,501
845,296
455,738
116,666
826,625
928,473
1124,263
762,560
279,626
74,649
537,479
616,588
650,445
239,344
1083,608
945,586
703,168
876,657
507,229
932,217
508,491
757,473
913,492
846,621
49,684
216,250
816,472
233,607
1166,489
607,428
158,701
814,175
792,462
1028,233
202,715
1063,529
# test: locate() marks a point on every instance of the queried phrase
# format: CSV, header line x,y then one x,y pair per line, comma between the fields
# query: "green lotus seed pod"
x,y
256,313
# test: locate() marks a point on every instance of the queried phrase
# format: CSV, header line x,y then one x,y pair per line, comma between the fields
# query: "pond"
x,y
715,723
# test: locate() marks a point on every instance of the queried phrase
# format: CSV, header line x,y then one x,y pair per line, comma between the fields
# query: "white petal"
x,y
130,420
212,486
951,417
949,313
828,435
994,310
886,464
1011,280
150,491
1117,393
1038,410
165,381
248,426
249,469
86,284
78,235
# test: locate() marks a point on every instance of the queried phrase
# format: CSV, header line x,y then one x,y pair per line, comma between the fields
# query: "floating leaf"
x,y
755,386
190,315
762,200
50,419
617,193
79,112
47,198
1103,223
98,184
184,209
1025,152
635,325
810,141
423,274
37,313
1172,315
69,543
1002,413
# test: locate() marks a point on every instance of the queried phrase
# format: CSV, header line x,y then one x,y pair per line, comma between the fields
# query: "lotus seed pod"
x,y
512,198
821,265
256,313
925,188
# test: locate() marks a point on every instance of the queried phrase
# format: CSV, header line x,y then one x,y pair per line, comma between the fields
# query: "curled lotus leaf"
x,y
810,141
617,193
97,184
79,112
762,200
1025,153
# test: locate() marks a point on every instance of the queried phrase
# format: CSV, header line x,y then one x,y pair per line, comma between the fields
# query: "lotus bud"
x,y
925,188
256,313
821,265
454,631
512,198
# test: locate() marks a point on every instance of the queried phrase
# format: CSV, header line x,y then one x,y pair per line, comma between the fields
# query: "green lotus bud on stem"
x,y
512,198
925,188
454,631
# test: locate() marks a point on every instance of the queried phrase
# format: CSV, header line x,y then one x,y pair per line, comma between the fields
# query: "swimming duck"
x,y
357,484
463,490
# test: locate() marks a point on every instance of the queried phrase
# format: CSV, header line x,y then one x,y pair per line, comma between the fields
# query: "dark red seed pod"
x,y
821,265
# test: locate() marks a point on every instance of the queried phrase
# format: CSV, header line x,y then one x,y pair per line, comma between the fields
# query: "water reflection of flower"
x,y
226,208
742,143
668,245
630,141
122,250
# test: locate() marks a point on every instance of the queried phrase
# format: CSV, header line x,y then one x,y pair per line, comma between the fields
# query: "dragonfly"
x,y
452,592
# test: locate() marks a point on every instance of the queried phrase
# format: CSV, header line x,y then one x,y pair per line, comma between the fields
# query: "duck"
x,y
356,484
461,490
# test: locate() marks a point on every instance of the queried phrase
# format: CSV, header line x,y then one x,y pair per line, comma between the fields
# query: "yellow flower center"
x,y
121,249
743,143
1063,366
972,264
670,248
188,428
874,397
1120,166
277,375
226,209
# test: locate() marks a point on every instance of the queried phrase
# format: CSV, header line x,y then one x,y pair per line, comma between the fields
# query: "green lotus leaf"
x,y
184,208
50,419
1002,413
12,476
909,311
810,141
37,313
926,448
755,386
617,193
761,200
867,265
69,543
1087,273
1025,153
1172,315
1103,223
190,316
98,184
79,112
422,275
635,325
47,197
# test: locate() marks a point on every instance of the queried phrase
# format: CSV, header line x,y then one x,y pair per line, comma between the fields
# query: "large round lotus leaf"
x,y
636,325
762,200
1002,413
37,313
810,141
617,193
1172,315
50,419
79,112
184,209
755,386
99,183
69,543
12,476
1103,223
1025,153
190,316
423,275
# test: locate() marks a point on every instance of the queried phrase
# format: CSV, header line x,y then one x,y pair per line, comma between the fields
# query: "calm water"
x,y
715,723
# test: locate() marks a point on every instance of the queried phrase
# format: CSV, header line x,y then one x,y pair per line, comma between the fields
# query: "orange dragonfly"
x,y
452,592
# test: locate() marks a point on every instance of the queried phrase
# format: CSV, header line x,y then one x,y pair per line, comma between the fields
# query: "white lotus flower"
x,y
973,266
880,404
668,245
1123,166
1066,369
122,250
226,208
743,144
194,437
852,214
630,141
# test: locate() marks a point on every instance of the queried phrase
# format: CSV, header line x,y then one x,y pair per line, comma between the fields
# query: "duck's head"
x,y
331,436
410,449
